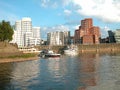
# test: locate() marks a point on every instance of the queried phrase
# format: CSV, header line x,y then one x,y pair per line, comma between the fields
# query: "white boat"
x,y
71,50
49,53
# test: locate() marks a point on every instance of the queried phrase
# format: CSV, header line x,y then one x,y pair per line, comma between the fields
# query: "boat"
x,y
49,53
71,50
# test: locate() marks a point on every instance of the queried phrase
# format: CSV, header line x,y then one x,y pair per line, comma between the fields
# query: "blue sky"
x,y
52,15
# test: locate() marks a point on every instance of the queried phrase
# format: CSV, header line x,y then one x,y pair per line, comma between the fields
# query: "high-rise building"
x,y
86,24
36,32
111,36
117,36
87,33
58,37
36,36
26,30
25,34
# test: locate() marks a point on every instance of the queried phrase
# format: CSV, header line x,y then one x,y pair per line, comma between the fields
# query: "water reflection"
x,y
54,68
84,72
5,73
18,75
88,68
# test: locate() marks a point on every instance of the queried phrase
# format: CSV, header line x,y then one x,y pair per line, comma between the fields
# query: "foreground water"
x,y
83,72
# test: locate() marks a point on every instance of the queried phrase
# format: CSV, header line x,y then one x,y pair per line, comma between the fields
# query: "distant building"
x,y
111,36
58,38
36,32
26,35
36,36
26,31
18,33
87,33
117,36
104,40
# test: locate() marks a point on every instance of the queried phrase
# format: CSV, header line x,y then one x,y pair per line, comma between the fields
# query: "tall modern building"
x,y
18,33
58,37
36,32
36,36
26,30
25,34
117,35
111,36
87,33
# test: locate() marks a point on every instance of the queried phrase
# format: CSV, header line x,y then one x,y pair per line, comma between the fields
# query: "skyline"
x,y
52,15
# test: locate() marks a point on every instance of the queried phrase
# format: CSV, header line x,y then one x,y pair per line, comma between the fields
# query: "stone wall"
x,y
87,48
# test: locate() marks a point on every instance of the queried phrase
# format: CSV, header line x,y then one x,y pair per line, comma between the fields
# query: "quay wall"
x,y
86,48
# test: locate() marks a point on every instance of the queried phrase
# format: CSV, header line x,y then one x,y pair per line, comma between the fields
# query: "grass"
x,y
26,55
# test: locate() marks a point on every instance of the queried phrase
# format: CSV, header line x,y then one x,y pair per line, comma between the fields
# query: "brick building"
x,y
87,33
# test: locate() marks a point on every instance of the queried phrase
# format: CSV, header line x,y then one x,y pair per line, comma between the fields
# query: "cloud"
x,y
54,3
44,3
106,10
104,31
65,2
72,22
55,28
67,12
45,30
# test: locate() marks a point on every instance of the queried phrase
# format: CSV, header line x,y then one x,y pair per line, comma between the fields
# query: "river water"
x,y
83,72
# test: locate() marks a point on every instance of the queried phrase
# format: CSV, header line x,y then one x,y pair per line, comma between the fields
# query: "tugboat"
x,y
48,53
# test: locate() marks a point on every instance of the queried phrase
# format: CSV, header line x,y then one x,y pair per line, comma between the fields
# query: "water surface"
x,y
83,72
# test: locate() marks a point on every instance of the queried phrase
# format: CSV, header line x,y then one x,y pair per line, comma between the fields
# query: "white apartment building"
x,y
14,37
36,36
27,37
25,33
36,32
117,35
35,41
58,37
17,33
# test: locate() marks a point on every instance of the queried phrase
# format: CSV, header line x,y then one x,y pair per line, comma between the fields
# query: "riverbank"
x,y
8,60
10,53
19,58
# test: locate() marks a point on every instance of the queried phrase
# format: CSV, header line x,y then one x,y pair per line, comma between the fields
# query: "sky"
x,y
62,15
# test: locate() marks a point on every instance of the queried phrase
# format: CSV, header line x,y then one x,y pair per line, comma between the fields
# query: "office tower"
x,y
111,36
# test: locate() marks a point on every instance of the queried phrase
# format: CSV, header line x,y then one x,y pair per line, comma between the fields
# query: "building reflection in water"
x,y
5,76
56,69
88,70
24,74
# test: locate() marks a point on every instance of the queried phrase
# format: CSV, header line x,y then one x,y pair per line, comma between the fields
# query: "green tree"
x,y
6,31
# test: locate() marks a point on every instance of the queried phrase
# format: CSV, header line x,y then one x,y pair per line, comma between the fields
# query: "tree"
x,y
6,31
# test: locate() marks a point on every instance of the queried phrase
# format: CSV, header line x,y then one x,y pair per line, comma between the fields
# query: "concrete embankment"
x,y
96,48
99,48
